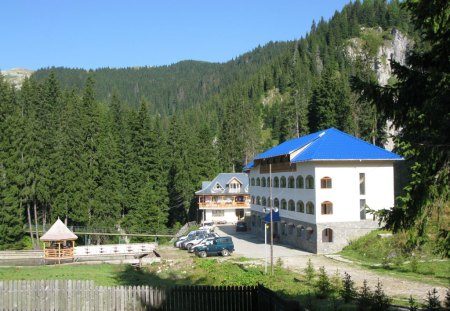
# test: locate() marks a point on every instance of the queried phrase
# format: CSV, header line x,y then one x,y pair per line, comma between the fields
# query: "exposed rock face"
x,y
396,49
16,76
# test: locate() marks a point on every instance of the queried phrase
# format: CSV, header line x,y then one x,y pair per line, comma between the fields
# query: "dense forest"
x,y
128,147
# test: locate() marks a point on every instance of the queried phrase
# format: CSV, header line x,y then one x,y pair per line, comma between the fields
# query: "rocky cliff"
x,y
16,76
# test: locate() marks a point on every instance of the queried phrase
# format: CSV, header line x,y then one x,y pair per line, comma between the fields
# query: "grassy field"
x,y
192,271
388,256
184,269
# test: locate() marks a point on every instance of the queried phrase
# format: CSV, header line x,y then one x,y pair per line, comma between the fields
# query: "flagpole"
x,y
271,219
265,247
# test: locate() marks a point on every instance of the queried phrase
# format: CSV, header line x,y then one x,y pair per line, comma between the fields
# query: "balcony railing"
x,y
224,204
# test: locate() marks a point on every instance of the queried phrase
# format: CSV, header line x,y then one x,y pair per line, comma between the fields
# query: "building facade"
x,y
226,199
323,185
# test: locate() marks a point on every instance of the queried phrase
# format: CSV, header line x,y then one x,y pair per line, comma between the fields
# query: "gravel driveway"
x,y
249,245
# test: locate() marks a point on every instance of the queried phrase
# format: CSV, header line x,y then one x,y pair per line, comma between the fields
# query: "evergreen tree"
x,y
11,212
418,104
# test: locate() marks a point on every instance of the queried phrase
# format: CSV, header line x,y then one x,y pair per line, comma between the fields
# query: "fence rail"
x,y
84,295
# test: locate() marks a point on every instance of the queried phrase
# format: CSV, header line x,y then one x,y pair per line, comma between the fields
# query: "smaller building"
x,y
225,199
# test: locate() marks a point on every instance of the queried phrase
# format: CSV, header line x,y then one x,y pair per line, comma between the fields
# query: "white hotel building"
x,y
323,185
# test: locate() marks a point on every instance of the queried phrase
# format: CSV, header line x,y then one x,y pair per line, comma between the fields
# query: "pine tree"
x,y
419,104
11,212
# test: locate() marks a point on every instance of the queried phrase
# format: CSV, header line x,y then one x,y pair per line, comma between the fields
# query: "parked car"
x,y
197,237
191,234
208,225
210,237
219,246
241,226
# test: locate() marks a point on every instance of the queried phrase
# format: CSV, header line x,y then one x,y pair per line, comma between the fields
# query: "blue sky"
x,y
110,33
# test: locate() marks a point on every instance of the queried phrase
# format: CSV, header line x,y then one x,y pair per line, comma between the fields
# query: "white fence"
x,y
114,249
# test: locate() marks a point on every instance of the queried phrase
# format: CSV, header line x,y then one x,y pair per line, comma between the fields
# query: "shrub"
x,y
414,264
348,292
380,301
432,302
336,283
447,299
412,303
323,285
364,299
310,273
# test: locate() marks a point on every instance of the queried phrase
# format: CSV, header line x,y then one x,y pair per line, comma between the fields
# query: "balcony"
x,y
224,204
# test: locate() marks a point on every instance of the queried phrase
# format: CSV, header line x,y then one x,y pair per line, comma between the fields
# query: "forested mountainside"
x,y
168,88
130,146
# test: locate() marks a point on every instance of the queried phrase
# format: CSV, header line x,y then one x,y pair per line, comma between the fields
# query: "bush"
x,y
414,264
447,299
364,299
432,302
336,283
412,303
380,301
310,273
323,285
348,292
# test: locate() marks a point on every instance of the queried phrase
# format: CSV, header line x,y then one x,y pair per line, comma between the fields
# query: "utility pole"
x,y
271,219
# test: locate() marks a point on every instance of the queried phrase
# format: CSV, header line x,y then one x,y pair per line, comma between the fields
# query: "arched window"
x,y
268,182
291,206
327,208
300,229
283,204
309,233
263,201
300,207
253,199
276,182
299,182
327,235
263,182
258,182
310,208
309,182
283,182
325,183
252,181
291,182
276,202
258,200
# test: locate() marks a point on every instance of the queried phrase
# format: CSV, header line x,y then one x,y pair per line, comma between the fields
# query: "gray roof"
x,y
59,232
219,185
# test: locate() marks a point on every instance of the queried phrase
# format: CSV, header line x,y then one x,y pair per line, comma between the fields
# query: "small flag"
x,y
275,216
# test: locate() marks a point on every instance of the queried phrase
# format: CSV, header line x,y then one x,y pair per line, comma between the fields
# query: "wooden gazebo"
x,y
59,242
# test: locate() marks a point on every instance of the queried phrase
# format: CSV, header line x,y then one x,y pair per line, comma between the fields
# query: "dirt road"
x,y
250,246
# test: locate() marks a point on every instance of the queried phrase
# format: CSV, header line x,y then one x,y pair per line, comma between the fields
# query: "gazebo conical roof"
x,y
59,232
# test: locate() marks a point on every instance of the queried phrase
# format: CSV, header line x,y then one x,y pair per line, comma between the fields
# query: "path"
x,y
250,246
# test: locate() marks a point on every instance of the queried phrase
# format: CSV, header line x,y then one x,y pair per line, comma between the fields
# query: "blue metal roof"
x,y
330,144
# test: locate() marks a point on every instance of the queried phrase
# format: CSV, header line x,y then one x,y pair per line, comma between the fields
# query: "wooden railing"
x,y
55,253
224,204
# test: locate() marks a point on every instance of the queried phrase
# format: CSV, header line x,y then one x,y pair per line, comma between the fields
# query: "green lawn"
x,y
197,272
384,255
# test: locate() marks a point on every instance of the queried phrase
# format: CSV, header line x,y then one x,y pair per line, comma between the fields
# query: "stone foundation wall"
x,y
308,237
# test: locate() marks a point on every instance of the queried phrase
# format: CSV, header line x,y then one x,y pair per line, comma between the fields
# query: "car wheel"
x,y
225,253
189,246
202,254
